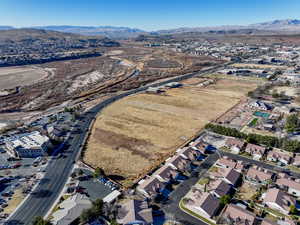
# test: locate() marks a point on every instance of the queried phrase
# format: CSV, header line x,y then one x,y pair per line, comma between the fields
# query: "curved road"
x,y
58,170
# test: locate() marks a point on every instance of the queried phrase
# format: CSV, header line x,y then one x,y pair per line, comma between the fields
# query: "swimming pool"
x,y
261,114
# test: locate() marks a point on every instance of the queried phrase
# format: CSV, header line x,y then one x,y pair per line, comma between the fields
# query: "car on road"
x,y
13,159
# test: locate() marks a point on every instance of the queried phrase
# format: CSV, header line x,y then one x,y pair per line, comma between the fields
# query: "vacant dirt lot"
x,y
246,191
11,77
137,133
290,91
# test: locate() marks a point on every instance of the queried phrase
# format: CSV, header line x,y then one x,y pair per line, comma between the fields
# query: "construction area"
x,y
134,135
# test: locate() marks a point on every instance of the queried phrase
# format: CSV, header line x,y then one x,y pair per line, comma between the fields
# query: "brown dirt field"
x,y
16,199
246,191
135,134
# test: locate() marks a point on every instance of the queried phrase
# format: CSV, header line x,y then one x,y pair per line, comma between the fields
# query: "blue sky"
x,y
145,14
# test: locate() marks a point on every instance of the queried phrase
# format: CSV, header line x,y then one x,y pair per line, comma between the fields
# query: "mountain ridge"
x,y
121,32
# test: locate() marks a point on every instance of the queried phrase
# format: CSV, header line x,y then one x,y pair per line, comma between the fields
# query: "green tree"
x,y
98,206
98,172
92,213
293,209
292,123
38,220
80,172
225,199
113,222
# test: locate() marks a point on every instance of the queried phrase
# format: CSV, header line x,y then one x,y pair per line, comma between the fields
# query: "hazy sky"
x,y
145,14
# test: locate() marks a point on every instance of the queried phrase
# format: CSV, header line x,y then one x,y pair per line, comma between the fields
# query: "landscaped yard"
x,y
203,181
213,169
253,122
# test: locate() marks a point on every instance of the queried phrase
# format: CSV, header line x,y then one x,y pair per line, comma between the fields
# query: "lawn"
x,y
253,122
136,134
203,181
213,169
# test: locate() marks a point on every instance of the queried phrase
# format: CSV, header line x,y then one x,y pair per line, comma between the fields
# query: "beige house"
x,y
135,212
255,151
238,215
279,200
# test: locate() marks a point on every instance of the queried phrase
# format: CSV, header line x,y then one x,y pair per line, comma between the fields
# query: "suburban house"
x,y
260,105
70,209
279,200
200,146
296,160
29,145
259,175
189,153
255,151
219,188
277,156
237,215
292,186
135,212
166,173
234,144
268,222
231,176
225,162
150,186
178,162
203,203
241,166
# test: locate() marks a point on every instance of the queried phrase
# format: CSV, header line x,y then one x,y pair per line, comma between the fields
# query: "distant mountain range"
x,y
289,24
108,31
6,27
276,26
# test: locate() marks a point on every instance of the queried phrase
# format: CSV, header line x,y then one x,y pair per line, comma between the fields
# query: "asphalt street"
x,y
260,164
58,170
171,208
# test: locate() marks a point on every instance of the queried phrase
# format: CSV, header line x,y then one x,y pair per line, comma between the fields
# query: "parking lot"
x,y
94,187
24,166
17,180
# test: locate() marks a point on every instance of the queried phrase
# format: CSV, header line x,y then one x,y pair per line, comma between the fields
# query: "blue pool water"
x,y
261,114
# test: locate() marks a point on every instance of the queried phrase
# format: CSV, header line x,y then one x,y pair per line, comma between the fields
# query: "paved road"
x,y
59,170
260,164
171,208
51,185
